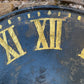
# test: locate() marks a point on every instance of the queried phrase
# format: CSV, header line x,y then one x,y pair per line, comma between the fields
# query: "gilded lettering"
x,y
40,29
9,50
42,38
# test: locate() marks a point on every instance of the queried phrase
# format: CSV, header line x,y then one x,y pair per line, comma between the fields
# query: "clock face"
x,y
42,45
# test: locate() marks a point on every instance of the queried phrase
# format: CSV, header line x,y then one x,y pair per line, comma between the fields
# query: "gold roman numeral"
x,y
9,50
42,40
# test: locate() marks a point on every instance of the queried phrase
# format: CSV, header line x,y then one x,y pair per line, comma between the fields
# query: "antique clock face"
x,y
42,45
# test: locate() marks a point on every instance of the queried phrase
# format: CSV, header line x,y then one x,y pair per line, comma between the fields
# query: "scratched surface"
x,y
42,45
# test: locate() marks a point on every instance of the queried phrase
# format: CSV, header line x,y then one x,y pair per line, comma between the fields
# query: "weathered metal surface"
x,y
42,45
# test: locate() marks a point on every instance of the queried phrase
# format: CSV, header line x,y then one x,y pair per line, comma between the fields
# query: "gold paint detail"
x,y
54,40
9,51
69,15
49,12
58,34
39,14
19,18
9,21
0,26
6,29
59,13
82,54
42,38
52,33
29,16
79,18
